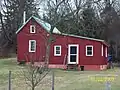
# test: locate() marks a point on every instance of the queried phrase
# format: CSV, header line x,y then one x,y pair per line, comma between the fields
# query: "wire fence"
x,y
66,80
16,81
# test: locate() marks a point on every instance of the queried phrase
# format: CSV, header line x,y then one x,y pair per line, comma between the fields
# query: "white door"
x,y
73,54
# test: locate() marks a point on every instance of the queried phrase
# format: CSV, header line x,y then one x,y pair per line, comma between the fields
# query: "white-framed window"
x,y
57,50
32,45
89,50
32,29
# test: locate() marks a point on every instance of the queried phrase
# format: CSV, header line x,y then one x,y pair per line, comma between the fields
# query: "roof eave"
x,y
23,25
83,37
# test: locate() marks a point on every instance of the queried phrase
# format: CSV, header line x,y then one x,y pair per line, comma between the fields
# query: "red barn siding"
x,y
23,38
60,40
64,41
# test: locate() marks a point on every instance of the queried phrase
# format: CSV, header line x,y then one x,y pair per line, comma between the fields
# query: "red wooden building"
x,y
65,50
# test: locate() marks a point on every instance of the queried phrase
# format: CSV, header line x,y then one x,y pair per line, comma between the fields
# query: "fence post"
x,y
52,80
108,86
9,83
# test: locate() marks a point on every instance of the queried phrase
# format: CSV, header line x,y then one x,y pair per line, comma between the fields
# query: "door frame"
x,y
77,46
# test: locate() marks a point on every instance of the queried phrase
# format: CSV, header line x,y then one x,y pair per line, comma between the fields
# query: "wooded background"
x,y
91,18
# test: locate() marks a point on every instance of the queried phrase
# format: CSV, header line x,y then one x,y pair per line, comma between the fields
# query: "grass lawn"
x,y
64,80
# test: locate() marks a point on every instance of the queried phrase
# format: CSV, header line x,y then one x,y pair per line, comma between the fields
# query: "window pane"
x,y
57,48
32,45
32,49
32,42
89,48
57,52
73,50
89,53
33,29
72,58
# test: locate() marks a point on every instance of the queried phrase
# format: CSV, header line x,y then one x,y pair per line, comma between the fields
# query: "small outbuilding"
x,y
66,49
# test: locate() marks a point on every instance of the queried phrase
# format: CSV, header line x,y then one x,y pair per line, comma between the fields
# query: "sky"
x,y
1,1
0,4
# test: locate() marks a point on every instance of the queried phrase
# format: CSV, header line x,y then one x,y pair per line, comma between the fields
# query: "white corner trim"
x,y
32,31
102,50
86,50
106,53
77,45
30,45
55,54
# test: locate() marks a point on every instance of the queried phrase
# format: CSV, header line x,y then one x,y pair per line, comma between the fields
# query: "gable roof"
x,y
47,27
44,24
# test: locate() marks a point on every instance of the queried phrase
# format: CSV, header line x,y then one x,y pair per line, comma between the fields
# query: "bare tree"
x,y
54,19
11,13
34,74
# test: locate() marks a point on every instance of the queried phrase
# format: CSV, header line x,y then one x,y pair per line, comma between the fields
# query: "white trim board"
x,y
106,53
23,25
83,37
44,24
102,49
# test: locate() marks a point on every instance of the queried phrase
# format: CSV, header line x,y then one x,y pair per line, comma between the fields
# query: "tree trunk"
x,y
49,41
33,88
